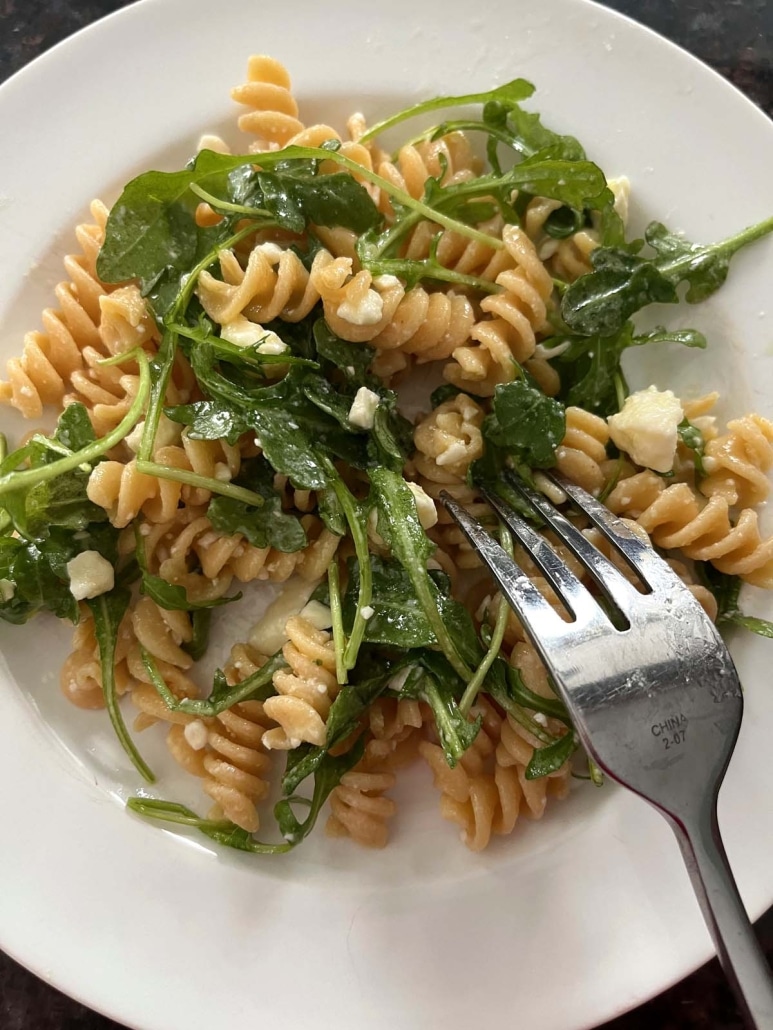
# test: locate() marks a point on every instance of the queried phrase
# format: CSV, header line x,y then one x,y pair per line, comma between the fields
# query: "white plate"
x,y
578,917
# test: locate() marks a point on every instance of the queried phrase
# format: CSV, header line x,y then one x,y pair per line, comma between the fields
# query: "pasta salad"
x,y
229,361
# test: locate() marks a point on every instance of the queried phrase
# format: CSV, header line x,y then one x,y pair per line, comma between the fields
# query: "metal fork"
x,y
657,704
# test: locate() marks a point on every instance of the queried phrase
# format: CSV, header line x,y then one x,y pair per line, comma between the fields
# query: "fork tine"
x,y
608,577
539,619
641,556
569,588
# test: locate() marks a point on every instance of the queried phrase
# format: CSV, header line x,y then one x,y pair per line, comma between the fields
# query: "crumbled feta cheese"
x,y
367,310
90,575
540,718
318,614
7,589
167,434
367,612
646,428
350,370
196,734
621,191
399,679
222,472
386,282
425,506
363,410
457,451
243,333
272,344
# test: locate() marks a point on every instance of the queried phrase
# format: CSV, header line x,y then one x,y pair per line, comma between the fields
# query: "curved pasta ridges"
x,y
677,518
582,452
41,374
449,159
235,763
414,322
572,256
737,463
80,677
274,284
273,112
359,809
162,633
514,751
305,690
477,794
460,253
447,441
515,316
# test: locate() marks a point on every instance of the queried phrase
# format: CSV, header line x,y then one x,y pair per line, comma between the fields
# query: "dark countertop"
x,y
733,36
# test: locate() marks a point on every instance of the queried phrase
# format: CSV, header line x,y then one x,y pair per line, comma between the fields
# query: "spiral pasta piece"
x,y
447,441
80,677
235,763
675,518
49,358
516,315
460,253
478,794
737,463
583,451
305,690
274,284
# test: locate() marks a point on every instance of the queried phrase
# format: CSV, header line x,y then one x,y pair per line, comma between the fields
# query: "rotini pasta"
x,y
260,393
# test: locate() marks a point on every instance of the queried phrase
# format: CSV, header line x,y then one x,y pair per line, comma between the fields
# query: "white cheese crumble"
x,y
90,575
366,310
196,734
268,634
646,428
7,589
386,282
425,506
363,410
621,191
318,614
243,333
399,679
222,472
272,345
368,612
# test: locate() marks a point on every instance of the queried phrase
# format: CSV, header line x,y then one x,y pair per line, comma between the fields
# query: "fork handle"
x,y
739,952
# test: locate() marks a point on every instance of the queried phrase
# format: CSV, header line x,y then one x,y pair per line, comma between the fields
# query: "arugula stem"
x,y
471,125
471,692
3,446
204,707
403,198
220,831
531,725
729,246
360,538
435,104
215,486
163,363
427,269
339,637
237,209
106,632
86,455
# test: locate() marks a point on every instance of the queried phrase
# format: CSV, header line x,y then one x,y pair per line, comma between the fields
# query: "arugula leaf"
x,y
108,610
602,301
257,687
692,438
267,526
526,423
295,198
726,589
219,830
548,759
400,526
398,620
456,731
353,359
152,230
327,776
201,621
